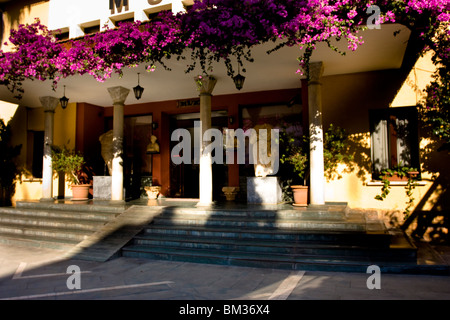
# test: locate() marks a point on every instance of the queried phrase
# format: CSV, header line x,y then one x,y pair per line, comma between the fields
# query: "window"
x,y
91,29
62,36
394,138
35,153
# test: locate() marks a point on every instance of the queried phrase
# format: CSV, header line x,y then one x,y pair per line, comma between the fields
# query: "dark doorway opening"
x,y
184,177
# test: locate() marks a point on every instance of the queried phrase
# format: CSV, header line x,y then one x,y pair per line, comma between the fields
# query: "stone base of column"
x,y
205,204
114,202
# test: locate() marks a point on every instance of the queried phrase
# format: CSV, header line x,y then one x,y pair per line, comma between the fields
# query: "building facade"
x,y
363,92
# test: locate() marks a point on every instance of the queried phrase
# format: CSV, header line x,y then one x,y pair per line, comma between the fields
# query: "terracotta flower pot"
x,y
230,192
80,191
153,191
396,177
300,195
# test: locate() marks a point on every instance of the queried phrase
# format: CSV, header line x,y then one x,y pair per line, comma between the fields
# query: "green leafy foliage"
x,y
336,151
69,162
402,172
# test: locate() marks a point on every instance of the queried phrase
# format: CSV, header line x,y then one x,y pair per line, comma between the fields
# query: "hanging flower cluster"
x,y
435,108
38,55
212,30
220,29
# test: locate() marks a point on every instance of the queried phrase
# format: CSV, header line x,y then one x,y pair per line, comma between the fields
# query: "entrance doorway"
x,y
184,178
137,164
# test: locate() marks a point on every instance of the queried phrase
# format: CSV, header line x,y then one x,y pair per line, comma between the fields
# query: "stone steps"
x,y
56,225
54,221
328,218
329,213
326,238
261,223
258,234
62,214
264,260
73,206
49,233
295,249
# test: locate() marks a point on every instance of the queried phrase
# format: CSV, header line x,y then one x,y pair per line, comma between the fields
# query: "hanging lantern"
x,y
138,90
239,80
64,100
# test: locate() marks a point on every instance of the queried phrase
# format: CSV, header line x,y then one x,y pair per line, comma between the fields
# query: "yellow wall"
x,y
22,12
64,134
31,118
65,126
346,101
411,92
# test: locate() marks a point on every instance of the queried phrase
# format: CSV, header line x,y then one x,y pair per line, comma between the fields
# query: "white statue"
x,y
106,141
263,139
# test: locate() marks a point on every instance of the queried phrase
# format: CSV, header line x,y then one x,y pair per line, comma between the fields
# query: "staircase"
x,y
326,238
54,225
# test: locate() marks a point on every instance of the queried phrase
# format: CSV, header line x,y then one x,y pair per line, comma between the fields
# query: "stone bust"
x,y
106,141
263,169
153,147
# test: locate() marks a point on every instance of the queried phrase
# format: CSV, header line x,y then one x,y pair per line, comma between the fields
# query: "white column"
x,y
205,86
118,95
49,104
317,179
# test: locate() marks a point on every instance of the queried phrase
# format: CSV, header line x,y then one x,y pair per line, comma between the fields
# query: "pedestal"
x,y
264,190
230,192
153,192
102,187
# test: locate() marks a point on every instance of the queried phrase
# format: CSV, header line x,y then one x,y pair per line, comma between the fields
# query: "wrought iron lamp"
x,y
239,80
138,90
64,100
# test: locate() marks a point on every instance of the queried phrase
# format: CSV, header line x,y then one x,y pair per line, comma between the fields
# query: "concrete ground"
x,y
42,274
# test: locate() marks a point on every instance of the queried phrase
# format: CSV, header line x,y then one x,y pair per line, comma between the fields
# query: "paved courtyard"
x,y
35,273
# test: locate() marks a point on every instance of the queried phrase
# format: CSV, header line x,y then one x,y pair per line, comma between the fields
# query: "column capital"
x,y
118,94
315,72
205,84
49,103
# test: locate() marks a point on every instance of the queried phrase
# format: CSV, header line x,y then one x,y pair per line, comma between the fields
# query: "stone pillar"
x,y
317,180
118,95
49,104
205,86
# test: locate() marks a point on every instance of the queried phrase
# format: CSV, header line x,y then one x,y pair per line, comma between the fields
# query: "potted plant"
x,y
297,156
336,146
73,166
153,191
300,192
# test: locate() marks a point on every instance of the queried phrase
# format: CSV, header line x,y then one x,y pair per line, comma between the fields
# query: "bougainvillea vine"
x,y
216,30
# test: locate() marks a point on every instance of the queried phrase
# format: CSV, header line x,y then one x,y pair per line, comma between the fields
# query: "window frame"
x,y
391,115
